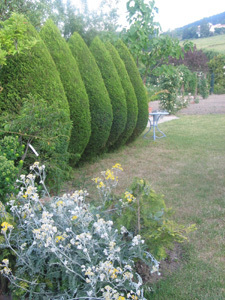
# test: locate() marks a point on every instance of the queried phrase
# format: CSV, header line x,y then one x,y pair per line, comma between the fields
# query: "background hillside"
x,y
215,19
213,43
205,27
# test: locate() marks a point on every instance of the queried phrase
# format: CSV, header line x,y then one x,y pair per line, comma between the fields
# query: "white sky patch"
x,y
172,13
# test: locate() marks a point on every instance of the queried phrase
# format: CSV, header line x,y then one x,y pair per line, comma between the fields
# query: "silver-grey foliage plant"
x,y
65,249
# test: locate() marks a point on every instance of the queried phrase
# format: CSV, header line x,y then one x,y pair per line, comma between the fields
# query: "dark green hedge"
x,y
34,72
99,101
114,88
131,99
73,86
138,88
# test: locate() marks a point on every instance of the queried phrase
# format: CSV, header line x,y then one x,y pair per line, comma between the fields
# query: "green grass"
x,y
188,167
215,43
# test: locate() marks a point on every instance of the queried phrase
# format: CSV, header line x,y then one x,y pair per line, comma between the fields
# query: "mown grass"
x,y
215,43
188,167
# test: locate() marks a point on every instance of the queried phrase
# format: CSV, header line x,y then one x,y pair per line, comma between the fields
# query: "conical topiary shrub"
x,y
138,88
99,101
34,73
131,99
73,86
114,88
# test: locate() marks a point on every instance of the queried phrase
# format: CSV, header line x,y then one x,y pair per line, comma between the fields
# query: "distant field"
x,y
215,43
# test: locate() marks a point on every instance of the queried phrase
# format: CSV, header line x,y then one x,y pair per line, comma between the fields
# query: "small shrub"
x,y
217,69
139,89
99,101
203,87
170,81
141,211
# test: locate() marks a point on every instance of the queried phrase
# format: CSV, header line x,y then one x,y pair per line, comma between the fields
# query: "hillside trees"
x,y
131,99
139,89
34,73
99,101
114,88
73,86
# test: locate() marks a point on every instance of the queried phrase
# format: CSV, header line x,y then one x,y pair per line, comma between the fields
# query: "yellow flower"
x,y
129,197
96,179
59,203
6,226
101,184
74,217
114,272
59,238
121,298
109,175
118,166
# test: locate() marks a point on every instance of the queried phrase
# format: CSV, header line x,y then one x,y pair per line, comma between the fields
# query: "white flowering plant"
x,y
66,249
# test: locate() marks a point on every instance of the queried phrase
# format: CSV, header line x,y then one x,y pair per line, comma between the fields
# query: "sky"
x,y
175,13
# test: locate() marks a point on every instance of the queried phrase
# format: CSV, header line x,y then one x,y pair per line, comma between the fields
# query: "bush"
x,y
99,101
34,72
203,87
11,152
170,81
114,88
143,212
73,86
148,215
217,68
188,80
65,249
139,89
131,99
37,123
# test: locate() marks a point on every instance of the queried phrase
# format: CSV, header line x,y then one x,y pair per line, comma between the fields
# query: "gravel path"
x,y
214,104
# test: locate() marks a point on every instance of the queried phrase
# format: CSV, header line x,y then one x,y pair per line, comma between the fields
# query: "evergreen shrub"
x,y
131,99
73,86
37,124
99,101
114,88
139,89
203,87
11,152
217,68
34,72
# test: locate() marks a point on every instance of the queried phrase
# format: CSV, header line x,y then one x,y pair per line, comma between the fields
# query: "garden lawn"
x,y
188,167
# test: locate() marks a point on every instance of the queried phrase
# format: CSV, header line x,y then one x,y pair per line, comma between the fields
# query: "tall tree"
x,y
100,105
114,88
131,99
139,89
141,27
73,86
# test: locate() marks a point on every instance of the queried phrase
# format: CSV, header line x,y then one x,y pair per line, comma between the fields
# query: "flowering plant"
x,y
65,249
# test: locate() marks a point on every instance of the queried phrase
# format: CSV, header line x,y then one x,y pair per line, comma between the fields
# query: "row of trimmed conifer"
x,y
98,88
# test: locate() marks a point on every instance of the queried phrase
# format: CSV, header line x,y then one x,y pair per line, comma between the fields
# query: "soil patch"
x,y
173,262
